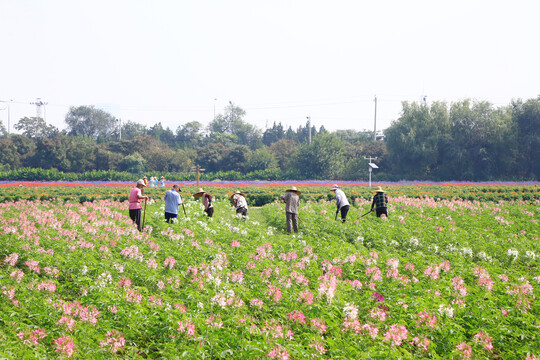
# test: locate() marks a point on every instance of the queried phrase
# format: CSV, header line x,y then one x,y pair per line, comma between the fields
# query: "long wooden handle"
x,y
144,215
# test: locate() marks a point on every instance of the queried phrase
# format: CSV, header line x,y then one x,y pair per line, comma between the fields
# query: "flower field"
x,y
443,279
264,193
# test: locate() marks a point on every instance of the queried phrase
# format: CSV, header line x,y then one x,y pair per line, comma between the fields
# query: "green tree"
x,y
26,148
51,153
189,134
131,130
273,134
284,151
232,123
261,159
105,159
210,156
235,158
413,140
35,127
322,159
526,116
134,164
81,155
92,122
9,156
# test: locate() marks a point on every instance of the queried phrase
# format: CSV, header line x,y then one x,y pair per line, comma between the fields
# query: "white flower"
x,y
104,279
446,310
530,254
394,243
84,270
414,242
482,255
351,311
467,251
513,252
200,305
451,248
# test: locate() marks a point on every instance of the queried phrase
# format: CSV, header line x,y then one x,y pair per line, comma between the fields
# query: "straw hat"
x,y
334,187
238,193
379,189
199,193
294,189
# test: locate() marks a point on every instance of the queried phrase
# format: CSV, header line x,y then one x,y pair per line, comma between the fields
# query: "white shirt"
x,y
341,199
240,201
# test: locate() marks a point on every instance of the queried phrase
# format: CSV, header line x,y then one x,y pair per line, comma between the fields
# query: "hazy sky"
x,y
166,61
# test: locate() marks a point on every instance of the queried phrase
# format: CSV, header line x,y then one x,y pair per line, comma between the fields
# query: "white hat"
x,y
141,182
334,187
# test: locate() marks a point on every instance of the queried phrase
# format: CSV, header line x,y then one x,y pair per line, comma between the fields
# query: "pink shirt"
x,y
134,201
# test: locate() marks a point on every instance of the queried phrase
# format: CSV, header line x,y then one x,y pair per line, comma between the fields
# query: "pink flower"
x,y
256,303
465,350
169,262
152,264
396,334
32,336
306,297
67,321
65,345
278,353
17,274
274,293
11,259
235,243
32,265
114,340
188,328
483,339
297,316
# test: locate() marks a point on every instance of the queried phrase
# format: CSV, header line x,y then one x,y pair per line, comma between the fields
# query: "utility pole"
x,y
9,114
375,122
39,104
371,167
309,128
8,111
119,129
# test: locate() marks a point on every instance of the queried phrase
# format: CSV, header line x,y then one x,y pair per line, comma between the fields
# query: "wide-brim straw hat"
x,y
238,193
294,189
199,193
334,187
379,189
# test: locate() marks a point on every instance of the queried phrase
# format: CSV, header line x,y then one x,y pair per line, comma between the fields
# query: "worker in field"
x,y
239,201
135,197
206,200
292,200
380,202
342,203
173,200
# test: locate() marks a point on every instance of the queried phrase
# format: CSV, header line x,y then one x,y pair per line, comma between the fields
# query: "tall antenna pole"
x,y
309,127
375,121
38,104
9,114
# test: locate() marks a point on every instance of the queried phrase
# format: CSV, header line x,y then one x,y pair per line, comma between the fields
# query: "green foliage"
x,y
135,164
91,122
322,159
444,272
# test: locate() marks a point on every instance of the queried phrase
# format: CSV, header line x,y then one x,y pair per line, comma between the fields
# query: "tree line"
x,y
465,140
